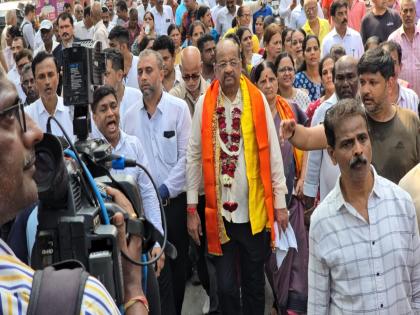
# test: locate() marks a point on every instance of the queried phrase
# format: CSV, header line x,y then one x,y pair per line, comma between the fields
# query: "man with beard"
x,y
172,74
47,33
28,84
342,34
22,57
207,48
320,172
364,245
162,122
394,130
66,33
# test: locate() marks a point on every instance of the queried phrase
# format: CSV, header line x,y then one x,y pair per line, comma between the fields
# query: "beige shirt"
x,y
411,184
100,34
180,90
240,185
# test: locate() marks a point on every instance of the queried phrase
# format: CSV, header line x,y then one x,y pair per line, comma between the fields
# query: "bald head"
x,y
229,44
311,9
345,77
190,56
96,12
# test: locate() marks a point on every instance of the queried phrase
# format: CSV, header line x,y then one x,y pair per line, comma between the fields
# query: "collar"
x,y
96,133
5,249
161,105
416,30
335,33
59,107
338,195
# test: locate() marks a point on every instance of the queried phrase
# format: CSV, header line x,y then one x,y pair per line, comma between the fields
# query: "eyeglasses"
x,y
286,69
189,77
233,63
17,111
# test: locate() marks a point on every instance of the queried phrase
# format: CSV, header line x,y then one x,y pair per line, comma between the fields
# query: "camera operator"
x,y
46,74
106,115
18,190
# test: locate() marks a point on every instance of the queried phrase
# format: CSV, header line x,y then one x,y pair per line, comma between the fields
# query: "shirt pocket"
x,y
169,147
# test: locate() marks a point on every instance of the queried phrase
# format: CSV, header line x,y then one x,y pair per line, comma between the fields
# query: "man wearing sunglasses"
x,y
193,84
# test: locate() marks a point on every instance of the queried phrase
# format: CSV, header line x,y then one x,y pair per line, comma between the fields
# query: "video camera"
x,y
73,209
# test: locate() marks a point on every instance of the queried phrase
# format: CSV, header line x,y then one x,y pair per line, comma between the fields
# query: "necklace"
x,y
230,144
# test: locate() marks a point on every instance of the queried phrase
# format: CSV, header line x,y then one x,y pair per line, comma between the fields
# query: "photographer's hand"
x,y
131,273
161,261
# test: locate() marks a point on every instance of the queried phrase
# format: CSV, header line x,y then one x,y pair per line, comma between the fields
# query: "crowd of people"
x,y
284,141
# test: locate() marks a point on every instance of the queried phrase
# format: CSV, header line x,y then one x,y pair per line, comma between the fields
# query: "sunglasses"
x,y
16,111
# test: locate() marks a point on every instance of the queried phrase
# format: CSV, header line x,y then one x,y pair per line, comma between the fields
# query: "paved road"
x,y
195,296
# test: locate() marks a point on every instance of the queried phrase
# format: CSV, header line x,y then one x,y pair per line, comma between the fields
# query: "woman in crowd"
x,y
196,30
134,28
286,76
308,76
286,38
149,24
326,67
272,42
204,15
259,30
249,59
174,32
243,19
289,281
297,52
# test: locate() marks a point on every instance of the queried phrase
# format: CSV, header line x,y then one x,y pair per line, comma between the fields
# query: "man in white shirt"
x,y
122,13
119,39
114,74
106,115
84,29
216,9
320,172
47,35
22,58
248,193
342,34
162,122
364,245
45,72
400,95
298,16
225,17
172,74
38,38
26,27
28,84
78,12
100,32
163,16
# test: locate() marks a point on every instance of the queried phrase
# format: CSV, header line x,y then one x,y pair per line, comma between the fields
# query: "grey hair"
x,y
148,52
26,68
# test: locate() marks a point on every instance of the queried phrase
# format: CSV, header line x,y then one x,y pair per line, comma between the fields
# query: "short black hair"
x,y
20,38
67,5
29,8
100,93
193,25
105,9
393,46
234,38
337,4
40,57
119,33
323,60
144,42
376,60
86,11
282,56
116,58
371,40
164,42
64,16
202,40
23,54
122,5
335,116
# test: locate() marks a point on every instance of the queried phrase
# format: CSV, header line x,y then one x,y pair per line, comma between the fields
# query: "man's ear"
x,y
331,151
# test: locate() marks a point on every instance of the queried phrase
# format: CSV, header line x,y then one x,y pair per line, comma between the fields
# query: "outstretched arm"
x,y
301,137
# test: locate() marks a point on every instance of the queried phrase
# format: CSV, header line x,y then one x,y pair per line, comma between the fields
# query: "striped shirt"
x,y
16,286
359,267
